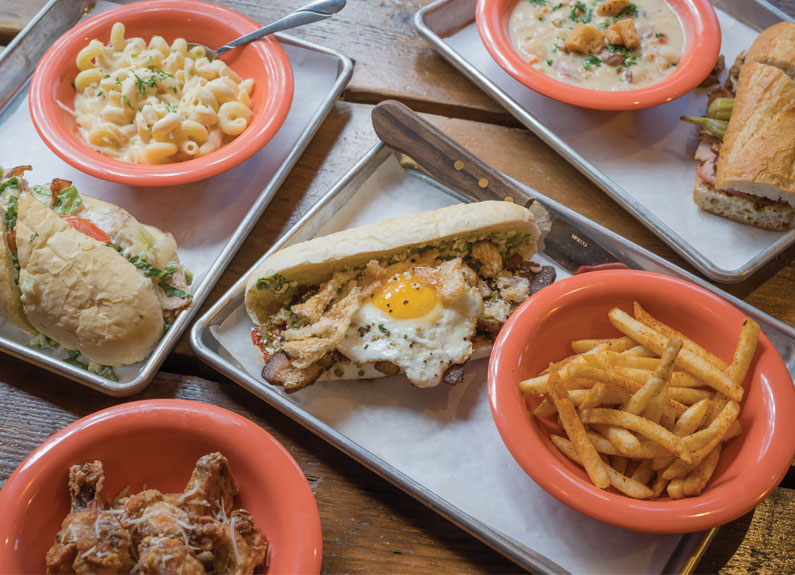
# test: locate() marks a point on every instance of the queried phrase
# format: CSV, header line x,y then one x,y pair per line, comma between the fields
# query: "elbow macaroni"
x,y
155,103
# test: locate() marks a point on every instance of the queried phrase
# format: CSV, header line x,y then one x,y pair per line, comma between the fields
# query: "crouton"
x,y
613,37
626,29
611,7
584,39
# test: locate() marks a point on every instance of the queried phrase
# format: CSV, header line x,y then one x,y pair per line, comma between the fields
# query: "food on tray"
x,y
746,166
197,531
647,412
600,45
418,294
83,273
155,103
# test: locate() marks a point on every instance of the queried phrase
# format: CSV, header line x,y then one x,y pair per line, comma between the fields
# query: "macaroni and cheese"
x,y
157,103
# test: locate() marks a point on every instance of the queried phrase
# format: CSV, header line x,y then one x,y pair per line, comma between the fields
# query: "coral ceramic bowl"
x,y
156,443
540,331
702,47
263,60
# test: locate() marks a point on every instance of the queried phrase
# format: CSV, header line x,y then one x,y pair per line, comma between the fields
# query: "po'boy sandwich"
x,y
85,273
747,148
420,294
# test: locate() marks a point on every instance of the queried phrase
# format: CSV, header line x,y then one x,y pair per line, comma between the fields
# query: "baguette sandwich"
x,y
420,294
747,149
82,273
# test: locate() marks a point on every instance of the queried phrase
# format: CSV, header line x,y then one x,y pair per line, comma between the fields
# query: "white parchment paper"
x,y
203,216
648,153
445,438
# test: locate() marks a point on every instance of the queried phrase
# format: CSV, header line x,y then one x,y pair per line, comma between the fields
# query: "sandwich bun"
x,y
10,305
770,217
82,293
314,261
758,152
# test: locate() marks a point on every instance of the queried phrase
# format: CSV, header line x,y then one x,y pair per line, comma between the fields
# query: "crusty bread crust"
x,y
10,306
314,261
758,152
82,293
771,217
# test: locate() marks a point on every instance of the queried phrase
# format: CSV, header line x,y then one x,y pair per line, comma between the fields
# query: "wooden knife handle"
x,y
444,159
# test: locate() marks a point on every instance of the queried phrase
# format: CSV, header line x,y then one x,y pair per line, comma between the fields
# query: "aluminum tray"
x,y
648,166
210,219
338,203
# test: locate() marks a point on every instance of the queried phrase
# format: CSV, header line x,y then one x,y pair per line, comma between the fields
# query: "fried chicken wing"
x,y
91,539
211,489
193,532
242,547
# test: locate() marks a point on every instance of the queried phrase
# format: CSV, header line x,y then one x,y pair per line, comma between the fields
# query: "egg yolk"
x,y
404,298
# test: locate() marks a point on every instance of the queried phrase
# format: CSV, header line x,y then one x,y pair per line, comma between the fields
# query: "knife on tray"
x,y
453,166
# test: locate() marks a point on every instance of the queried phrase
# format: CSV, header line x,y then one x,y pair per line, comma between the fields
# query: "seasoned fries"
x,y
648,413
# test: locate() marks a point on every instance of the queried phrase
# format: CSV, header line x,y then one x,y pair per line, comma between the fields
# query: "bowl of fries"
x,y
643,401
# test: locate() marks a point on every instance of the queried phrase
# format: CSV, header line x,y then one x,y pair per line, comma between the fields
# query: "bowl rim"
x,y
43,108
699,58
165,413
651,516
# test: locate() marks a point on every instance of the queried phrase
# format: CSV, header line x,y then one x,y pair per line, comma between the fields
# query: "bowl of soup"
x,y
603,54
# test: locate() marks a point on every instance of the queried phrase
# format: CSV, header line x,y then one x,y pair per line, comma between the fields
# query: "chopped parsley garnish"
x,y
275,282
106,76
556,6
549,61
603,24
631,61
100,93
538,2
659,35
630,11
32,237
591,61
143,83
125,100
162,74
581,13
68,201
382,329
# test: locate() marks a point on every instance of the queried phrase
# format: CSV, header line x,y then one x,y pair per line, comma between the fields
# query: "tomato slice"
x,y
87,227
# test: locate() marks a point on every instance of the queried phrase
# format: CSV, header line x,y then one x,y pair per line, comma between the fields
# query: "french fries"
x,y
647,413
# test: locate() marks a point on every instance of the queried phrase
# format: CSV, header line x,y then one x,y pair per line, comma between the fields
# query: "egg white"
x,y
423,347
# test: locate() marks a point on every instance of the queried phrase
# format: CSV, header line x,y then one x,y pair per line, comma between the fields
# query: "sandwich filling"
x,y
423,312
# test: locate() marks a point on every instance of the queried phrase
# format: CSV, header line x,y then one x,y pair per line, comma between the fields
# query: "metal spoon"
x,y
312,12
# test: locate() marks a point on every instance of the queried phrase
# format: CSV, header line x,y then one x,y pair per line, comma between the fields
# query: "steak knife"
x,y
450,164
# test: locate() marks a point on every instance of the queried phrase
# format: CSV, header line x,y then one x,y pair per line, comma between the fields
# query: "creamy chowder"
x,y
603,45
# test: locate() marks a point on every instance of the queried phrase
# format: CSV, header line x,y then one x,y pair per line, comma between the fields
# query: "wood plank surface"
x,y
368,524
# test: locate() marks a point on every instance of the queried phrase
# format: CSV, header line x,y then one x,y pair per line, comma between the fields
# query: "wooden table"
x,y
370,526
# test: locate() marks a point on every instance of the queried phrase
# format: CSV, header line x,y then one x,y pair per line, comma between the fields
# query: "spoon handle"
x,y
312,12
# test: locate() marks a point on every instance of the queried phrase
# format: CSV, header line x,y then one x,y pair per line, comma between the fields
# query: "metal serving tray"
x,y
210,219
341,402
644,159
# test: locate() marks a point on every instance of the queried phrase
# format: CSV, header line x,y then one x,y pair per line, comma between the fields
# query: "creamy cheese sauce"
x,y
539,29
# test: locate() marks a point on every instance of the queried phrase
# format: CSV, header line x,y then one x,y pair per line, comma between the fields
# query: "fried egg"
x,y
419,325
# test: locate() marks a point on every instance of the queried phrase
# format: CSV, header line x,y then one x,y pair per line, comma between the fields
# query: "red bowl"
x,y
264,60
540,331
156,443
702,47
